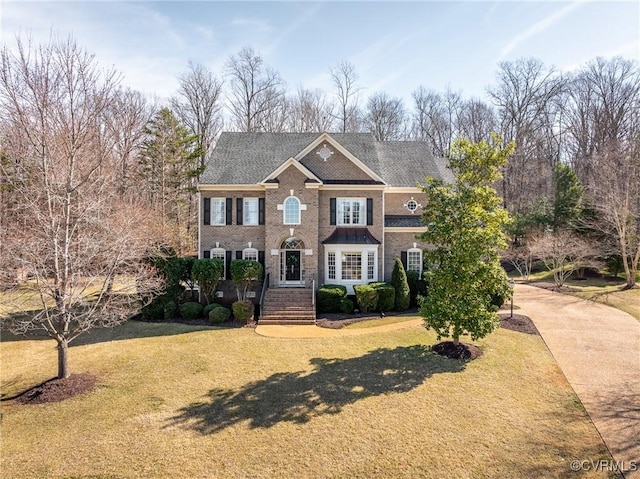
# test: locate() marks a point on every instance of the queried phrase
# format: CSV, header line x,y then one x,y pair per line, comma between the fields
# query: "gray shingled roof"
x,y
402,221
247,158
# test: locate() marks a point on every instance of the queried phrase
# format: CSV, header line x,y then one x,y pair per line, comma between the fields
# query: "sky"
x,y
394,46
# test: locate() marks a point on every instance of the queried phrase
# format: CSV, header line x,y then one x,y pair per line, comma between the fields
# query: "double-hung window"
x,y
414,260
351,211
250,253
218,211
250,211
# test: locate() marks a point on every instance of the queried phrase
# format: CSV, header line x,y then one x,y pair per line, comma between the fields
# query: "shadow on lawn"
x,y
302,395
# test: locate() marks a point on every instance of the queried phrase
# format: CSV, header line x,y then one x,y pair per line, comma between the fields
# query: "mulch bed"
x,y
56,390
519,322
466,352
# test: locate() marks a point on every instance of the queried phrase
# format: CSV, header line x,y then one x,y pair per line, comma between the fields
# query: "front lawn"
x,y
176,401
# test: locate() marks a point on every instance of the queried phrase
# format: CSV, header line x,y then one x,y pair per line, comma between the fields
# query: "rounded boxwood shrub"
x,y
330,298
219,315
191,310
386,296
346,306
243,310
366,297
170,309
209,307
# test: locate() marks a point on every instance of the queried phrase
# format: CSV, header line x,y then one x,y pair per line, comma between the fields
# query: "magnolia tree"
x,y
465,224
76,242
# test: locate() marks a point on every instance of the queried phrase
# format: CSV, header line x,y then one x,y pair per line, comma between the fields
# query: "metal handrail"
x,y
265,286
313,292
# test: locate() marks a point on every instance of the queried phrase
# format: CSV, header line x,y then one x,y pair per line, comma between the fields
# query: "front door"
x,y
292,265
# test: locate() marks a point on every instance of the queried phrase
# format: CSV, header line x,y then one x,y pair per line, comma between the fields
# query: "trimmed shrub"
x,y
207,273
366,297
346,306
219,315
399,282
191,310
243,310
170,310
210,307
153,311
413,277
386,296
244,274
330,298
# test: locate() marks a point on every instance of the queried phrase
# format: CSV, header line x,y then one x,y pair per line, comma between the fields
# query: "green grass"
x,y
174,401
401,318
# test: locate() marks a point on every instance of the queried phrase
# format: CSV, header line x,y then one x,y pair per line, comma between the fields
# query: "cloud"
x,y
538,28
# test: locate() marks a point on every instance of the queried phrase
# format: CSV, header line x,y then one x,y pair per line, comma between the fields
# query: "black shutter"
x,y
227,260
403,258
238,254
369,211
206,253
207,211
229,218
332,211
239,211
260,211
261,258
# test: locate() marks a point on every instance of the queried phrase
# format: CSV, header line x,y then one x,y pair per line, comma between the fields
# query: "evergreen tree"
x,y
401,285
169,165
465,226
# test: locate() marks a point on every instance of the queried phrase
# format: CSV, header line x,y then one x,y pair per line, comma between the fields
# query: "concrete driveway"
x,y
598,349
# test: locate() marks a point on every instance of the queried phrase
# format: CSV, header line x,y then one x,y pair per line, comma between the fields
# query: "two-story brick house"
x,y
315,208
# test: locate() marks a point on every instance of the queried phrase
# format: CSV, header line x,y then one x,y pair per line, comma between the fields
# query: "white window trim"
x,y
340,213
246,251
224,212
415,250
284,210
351,248
245,211
223,253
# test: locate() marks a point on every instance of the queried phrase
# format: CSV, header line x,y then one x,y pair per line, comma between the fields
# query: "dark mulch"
x,y
56,390
340,320
202,322
466,352
519,322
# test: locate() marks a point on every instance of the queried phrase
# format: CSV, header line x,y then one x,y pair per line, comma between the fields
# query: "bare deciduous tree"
x,y
198,106
79,242
563,252
345,80
385,117
125,122
435,118
615,192
257,92
525,95
310,111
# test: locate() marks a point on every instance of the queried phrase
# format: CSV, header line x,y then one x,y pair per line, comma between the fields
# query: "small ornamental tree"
x,y
465,226
401,285
207,273
244,274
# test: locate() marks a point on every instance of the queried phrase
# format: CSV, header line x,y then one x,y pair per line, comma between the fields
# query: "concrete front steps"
x,y
288,306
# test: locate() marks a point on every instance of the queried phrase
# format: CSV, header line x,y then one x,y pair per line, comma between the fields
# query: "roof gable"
x,y
291,162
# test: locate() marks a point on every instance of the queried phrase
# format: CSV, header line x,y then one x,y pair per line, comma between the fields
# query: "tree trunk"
x,y
63,363
456,340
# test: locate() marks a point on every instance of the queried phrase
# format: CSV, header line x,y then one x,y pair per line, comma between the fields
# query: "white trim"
x,y
325,137
348,187
200,208
291,161
405,229
249,187
364,250
403,189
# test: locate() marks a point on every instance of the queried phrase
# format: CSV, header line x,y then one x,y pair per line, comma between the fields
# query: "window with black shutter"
x,y
332,211
206,214
239,211
369,211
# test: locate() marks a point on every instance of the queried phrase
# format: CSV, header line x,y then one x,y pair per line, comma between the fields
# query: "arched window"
x,y
250,253
292,211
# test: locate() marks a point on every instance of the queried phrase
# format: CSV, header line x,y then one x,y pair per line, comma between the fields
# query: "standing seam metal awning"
x,y
351,236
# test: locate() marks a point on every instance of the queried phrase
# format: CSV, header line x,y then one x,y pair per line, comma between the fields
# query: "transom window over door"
x,y
351,211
